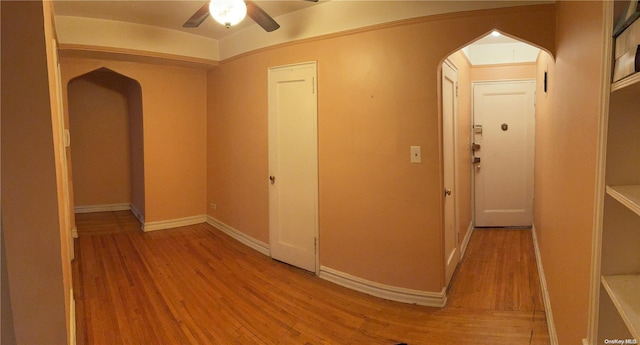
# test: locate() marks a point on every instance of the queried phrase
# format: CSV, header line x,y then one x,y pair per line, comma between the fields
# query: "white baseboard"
x,y
465,240
553,336
426,298
173,223
102,208
239,236
432,299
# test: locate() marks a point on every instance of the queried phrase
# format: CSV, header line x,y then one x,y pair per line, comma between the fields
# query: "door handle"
x,y
272,179
447,192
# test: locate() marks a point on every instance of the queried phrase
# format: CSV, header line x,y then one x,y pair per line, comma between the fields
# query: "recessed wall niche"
x,y
106,156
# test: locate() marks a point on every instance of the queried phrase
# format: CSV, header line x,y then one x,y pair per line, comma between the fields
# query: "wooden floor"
x,y
196,285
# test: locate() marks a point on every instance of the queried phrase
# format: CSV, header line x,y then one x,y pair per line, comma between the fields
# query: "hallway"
x,y
196,285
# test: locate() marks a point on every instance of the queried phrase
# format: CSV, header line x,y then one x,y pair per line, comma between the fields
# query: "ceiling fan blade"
x,y
198,17
261,17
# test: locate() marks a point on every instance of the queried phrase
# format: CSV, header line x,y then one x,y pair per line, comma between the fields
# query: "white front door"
x,y
293,165
449,138
504,129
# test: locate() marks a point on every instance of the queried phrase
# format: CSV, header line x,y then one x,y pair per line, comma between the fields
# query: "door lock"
x,y
476,160
447,192
475,147
272,179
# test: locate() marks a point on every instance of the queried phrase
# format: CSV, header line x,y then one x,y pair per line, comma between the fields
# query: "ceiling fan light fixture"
x,y
228,12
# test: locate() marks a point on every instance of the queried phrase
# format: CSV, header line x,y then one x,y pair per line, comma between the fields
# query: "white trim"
x,y
465,240
426,298
553,336
599,193
239,236
102,208
173,223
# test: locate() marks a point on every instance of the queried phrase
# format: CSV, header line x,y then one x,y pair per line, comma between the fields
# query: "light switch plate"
x,y
416,155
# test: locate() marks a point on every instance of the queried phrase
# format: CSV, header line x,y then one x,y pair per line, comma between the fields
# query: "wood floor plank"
x,y
196,285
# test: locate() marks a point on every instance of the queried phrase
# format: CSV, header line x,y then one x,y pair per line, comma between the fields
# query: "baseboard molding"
x,y
137,213
239,236
465,240
553,336
173,223
102,208
426,298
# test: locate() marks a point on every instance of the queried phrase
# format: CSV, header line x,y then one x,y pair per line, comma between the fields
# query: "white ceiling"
x,y
168,14
156,25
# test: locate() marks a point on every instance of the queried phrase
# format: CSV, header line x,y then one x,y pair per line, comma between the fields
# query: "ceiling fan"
x,y
231,12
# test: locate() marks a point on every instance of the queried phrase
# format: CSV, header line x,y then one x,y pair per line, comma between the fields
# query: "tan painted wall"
x,y
136,140
174,126
35,232
380,216
566,144
502,72
99,125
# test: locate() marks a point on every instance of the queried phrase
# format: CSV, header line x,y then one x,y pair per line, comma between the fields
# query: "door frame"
x,y
270,138
473,121
455,177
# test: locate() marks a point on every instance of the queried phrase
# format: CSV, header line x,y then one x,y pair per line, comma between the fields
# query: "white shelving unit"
x,y
629,196
623,291
617,306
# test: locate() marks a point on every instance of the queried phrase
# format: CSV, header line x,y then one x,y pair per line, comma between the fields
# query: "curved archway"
x,y
459,174
105,121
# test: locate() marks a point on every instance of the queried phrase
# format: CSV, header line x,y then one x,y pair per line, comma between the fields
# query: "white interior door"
x,y
293,165
449,139
504,127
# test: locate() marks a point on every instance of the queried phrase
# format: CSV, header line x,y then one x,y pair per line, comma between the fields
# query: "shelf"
x,y
623,290
629,196
626,82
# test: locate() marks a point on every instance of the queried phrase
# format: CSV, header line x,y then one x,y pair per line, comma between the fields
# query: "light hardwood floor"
x,y
196,285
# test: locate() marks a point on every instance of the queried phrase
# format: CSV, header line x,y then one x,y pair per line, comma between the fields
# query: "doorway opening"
x,y
106,131
493,59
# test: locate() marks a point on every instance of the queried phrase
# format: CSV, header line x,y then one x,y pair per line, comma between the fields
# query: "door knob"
x,y
447,192
272,179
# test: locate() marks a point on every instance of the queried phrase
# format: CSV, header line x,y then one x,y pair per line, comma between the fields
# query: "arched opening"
x,y
106,130
508,71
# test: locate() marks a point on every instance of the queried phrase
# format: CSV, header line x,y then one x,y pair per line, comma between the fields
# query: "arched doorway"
x,y
493,57
105,125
